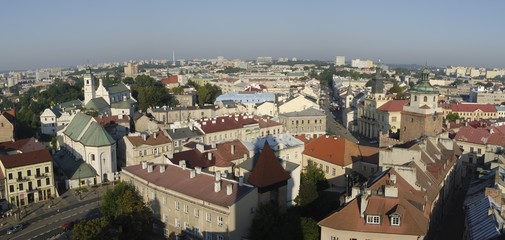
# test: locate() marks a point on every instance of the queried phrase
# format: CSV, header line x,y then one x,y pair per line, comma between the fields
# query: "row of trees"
x,y
150,92
207,93
124,216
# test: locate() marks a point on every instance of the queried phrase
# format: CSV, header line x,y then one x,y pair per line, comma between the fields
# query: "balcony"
x,y
32,190
43,175
24,179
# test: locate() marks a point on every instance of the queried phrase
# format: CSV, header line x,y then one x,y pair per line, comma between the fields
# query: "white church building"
x,y
111,100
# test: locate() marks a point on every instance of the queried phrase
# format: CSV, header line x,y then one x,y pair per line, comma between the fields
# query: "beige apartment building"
x,y
192,203
239,126
7,122
310,122
145,148
180,114
27,172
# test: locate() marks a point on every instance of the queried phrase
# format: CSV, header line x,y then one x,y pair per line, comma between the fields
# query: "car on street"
x,y
68,225
15,229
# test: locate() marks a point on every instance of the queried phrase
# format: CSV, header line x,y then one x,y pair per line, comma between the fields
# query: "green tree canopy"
x,y
150,93
452,117
91,230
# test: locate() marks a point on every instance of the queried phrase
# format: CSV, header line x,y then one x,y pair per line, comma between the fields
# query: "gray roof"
x,y
500,108
117,88
126,104
56,111
90,135
249,164
71,104
481,223
72,168
97,104
309,112
183,133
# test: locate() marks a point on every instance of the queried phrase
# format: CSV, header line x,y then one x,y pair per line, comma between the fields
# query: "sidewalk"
x,y
69,198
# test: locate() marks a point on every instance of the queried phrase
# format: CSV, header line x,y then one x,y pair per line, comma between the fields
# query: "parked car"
x,y
68,225
15,229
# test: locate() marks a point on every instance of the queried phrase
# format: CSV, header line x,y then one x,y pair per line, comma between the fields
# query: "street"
x,y
42,222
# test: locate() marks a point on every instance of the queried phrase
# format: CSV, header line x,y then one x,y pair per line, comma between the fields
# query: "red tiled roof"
x,y
220,157
223,152
24,159
393,106
472,135
339,151
194,158
267,171
473,107
160,139
170,80
413,220
200,187
225,123
23,145
302,138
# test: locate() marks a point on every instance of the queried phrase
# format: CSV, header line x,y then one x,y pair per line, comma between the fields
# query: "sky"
x,y
39,34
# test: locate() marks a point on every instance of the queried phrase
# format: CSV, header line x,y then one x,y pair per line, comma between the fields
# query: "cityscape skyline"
x,y
60,33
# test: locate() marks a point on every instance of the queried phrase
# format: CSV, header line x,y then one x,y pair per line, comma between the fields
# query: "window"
x,y
176,205
415,98
164,218
48,182
333,238
220,237
196,231
10,176
208,236
39,183
327,169
208,217
425,98
333,172
220,221
20,187
177,223
29,172
20,175
395,220
186,226
140,153
47,169
92,157
186,208
372,219
471,149
11,188
393,119
478,150
197,212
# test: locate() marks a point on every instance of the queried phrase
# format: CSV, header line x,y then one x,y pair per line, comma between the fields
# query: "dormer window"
x,y
395,220
373,219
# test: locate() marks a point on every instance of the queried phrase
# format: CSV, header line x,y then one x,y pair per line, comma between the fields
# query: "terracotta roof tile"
x,y
201,186
112,119
170,80
23,145
339,151
24,159
160,139
267,170
472,107
393,106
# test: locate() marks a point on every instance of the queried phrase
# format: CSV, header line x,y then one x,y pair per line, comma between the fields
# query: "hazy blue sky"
x,y
37,34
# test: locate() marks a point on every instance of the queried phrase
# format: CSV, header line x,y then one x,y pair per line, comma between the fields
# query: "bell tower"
x,y
89,86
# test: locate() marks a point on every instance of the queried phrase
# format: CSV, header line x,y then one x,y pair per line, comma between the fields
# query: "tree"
x,y
178,90
307,192
451,117
316,176
208,93
309,228
264,222
128,80
91,229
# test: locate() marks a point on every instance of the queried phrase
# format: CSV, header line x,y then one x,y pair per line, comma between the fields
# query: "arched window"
x,y
415,98
92,157
425,98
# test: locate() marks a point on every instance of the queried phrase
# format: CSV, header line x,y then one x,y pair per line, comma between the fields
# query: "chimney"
x,y
192,173
144,136
232,149
150,167
392,178
364,203
217,176
162,168
209,156
182,164
100,82
241,180
229,189
217,186
284,164
155,135
198,170
144,164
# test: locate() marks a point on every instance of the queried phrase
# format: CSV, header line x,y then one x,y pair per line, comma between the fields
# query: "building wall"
x,y
334,234
48,123
334,173
368,115
136,154
314,126
297,104
237,218
6,130
415,125
41,178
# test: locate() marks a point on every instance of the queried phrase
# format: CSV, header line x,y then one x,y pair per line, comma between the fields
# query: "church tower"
x,y
422,116
89,86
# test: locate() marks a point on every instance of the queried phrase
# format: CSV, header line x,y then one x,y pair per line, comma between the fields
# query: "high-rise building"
x,y
358,63
263,60
131,69
340,61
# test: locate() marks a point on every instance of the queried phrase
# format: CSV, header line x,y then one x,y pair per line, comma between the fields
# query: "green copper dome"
x,y
423,85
